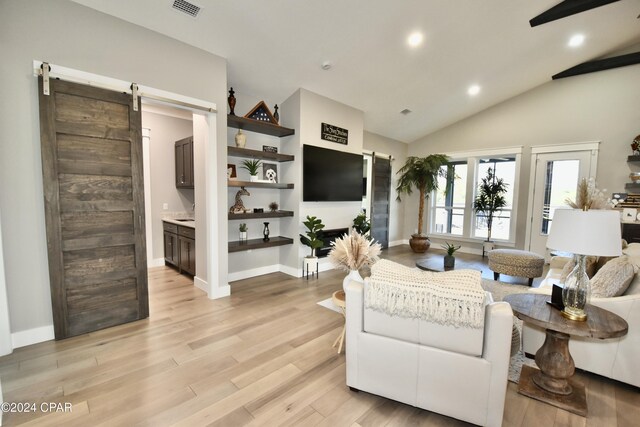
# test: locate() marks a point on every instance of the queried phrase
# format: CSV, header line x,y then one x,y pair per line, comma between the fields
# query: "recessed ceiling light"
x,y
473,90
576,40
415,39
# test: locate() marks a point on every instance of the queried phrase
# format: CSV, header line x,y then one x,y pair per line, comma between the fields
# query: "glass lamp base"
x,y
574,314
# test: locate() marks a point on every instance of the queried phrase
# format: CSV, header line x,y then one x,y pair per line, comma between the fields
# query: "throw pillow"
x,y
569,266
613,279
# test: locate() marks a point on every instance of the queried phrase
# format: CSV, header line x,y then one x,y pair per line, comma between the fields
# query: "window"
x,y
452,212
450,199
505,168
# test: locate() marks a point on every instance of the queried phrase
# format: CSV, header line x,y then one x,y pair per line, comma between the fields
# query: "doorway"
x,y
555,178
206,129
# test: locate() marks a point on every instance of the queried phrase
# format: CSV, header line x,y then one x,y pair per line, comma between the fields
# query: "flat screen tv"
x,y
331,176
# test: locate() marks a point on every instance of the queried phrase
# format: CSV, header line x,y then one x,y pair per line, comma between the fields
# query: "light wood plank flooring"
x,y
260,357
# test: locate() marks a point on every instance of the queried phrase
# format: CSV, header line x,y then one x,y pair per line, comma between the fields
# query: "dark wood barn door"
x,y
94,207
381,189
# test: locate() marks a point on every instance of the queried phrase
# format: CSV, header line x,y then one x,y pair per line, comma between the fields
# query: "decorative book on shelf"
x,y
261,113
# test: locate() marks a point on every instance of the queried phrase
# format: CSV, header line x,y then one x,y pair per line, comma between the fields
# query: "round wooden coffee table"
x,y
552,383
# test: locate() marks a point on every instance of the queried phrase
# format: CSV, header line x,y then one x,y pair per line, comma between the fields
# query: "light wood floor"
x,y
260,357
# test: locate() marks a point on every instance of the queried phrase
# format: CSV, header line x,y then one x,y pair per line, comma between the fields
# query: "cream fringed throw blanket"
x,y
453,298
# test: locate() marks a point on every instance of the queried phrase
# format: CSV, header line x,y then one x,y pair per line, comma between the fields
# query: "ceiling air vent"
x,y
405,111
186,7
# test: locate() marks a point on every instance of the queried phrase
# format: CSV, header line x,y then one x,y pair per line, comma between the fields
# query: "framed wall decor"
x,y
231,171
270,172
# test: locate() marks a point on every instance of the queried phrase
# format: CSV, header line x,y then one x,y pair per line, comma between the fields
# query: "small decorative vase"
x,y
353,275
449,262
265,232
232,102
241,139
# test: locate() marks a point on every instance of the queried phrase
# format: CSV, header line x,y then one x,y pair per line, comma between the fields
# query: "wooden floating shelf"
x,y
632,186
251,184
259,244
276,214
257,154
258,126
633,159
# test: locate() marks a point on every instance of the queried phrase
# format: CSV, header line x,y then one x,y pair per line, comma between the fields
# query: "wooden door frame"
x,y
6,344
538,150
214,212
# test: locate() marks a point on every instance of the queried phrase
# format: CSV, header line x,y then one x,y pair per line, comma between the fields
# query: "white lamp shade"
x,y
593,232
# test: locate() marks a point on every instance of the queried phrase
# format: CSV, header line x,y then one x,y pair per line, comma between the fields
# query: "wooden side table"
x,y
553,382
338,299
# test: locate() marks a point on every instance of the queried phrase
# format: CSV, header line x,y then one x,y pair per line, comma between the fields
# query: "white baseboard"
x,y
158,262
245,274
218,292
32,336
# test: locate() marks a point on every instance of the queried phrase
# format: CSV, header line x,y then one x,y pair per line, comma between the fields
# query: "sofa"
x,y
458,372
615,358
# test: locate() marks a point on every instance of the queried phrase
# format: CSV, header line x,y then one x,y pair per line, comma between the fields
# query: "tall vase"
x,y
241,139
353,275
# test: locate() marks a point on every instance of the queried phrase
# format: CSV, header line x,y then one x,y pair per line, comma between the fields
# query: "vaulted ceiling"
x,y
274,47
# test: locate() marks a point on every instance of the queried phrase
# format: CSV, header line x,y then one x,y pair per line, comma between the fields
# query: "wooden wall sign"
x,y
334,134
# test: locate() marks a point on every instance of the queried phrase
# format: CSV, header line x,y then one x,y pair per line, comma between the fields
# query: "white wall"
x,y
74,36
164,132
398,150
600,106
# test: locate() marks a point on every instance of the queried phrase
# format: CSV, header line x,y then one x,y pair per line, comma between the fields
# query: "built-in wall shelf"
x,y
632,186
257,154
276,185
276,214
633,159
258,126
259,244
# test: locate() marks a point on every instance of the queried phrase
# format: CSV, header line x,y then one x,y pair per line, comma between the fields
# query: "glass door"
x,y
556,179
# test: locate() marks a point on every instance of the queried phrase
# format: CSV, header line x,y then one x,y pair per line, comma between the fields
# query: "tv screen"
x,y
331,176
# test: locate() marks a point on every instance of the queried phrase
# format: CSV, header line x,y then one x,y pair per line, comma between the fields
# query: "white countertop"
x,y
191,223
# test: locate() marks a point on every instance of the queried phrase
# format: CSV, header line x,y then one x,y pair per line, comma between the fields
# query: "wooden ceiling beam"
x,y
567,8
600,65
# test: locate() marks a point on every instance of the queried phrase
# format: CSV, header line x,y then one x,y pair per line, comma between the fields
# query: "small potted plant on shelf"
x,y
450,258
252,167
362,225
273,206
312,239
489,202
421,173
243,232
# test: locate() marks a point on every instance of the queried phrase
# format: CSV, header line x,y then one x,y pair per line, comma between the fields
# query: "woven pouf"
x,y
514,262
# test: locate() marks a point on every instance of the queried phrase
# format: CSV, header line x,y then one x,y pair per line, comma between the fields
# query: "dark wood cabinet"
x,y
171,248
180,247
184,163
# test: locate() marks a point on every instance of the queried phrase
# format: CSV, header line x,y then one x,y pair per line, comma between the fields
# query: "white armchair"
x,y
457,372
615,358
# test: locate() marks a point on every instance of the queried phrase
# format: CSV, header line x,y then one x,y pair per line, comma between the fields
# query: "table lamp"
x,y
583,233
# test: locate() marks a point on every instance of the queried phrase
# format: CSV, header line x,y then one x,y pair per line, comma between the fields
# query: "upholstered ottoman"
x,y
515,262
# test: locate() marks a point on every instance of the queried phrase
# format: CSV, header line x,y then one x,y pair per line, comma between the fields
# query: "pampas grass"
x,y
589,197
353,251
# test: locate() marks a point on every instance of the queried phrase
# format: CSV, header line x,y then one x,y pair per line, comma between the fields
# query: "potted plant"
x,y
362,225
490,201
252,167
450,258
243,232
421,173
273,206
312,239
